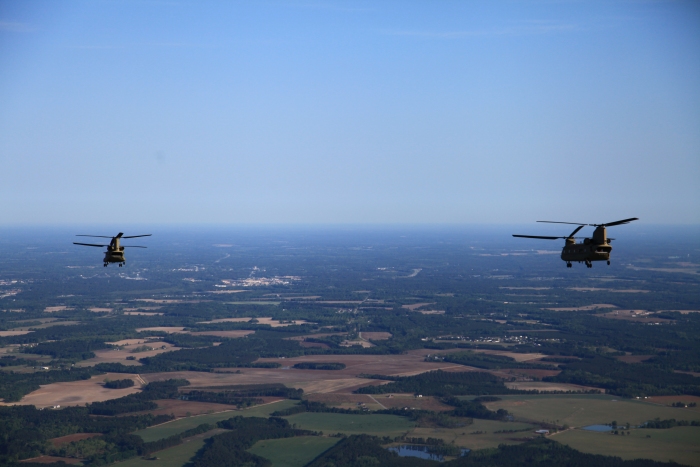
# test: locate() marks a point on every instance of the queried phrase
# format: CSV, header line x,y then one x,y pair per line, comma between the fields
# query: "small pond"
x,y
601,428
417,450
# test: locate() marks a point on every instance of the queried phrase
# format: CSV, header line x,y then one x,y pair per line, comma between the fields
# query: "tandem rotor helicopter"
x,y
596,248
115,251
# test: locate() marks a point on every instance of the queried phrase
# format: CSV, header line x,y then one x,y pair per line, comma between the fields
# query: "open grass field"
x,y
49,325
180,408
345,401
409,363
466,437
316,381
595,306
142,313
634,358
375,336
142,341
167,329
681,444
78,392
13,333
311,381
232,334
248,302
330,423
518,357
379,401
53,309
532,372
178,426
177,456
578,410
293,452
272,322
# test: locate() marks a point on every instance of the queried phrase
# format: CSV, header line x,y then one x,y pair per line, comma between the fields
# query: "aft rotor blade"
x,y
624,221
538,236
134,246
575,231
88,244
135,236
96,236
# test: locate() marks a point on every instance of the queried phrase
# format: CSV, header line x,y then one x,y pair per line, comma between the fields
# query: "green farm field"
x,y
330,423
183,424
466,438
292,452
581,410
176,456
680,444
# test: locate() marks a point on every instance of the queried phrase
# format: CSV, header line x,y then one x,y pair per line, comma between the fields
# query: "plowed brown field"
x,y
78,392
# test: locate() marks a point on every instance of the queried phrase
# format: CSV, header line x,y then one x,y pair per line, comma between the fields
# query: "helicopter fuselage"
x,y
596,248
586,251
115,256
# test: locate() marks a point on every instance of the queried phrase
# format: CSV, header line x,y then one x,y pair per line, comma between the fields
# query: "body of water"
x,y
601,428
420,451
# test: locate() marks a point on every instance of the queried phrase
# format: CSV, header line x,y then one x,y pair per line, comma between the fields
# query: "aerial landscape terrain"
x,y
350,233
449,340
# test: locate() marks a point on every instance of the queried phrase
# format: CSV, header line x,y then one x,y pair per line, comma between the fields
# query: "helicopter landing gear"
x,y
568,265
608,262
105,264
120,264
589,264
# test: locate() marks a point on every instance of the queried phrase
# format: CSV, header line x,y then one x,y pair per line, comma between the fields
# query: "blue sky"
x,y
279,112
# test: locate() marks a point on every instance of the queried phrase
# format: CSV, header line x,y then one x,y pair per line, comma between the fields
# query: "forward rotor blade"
x,y
537,236
96,236
134,246
624,221
135,236
572,223
88,244
119,235
575,231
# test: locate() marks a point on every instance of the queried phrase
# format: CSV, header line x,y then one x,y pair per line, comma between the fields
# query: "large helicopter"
x,y
596,248
115,251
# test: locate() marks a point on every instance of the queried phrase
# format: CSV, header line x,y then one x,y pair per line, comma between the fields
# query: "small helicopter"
x,y
115,252
596,248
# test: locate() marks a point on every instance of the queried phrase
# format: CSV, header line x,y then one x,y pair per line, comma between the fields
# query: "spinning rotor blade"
x,y
96,236
624,221
88,244
572,223
609,224
538,236
135,236
575,231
